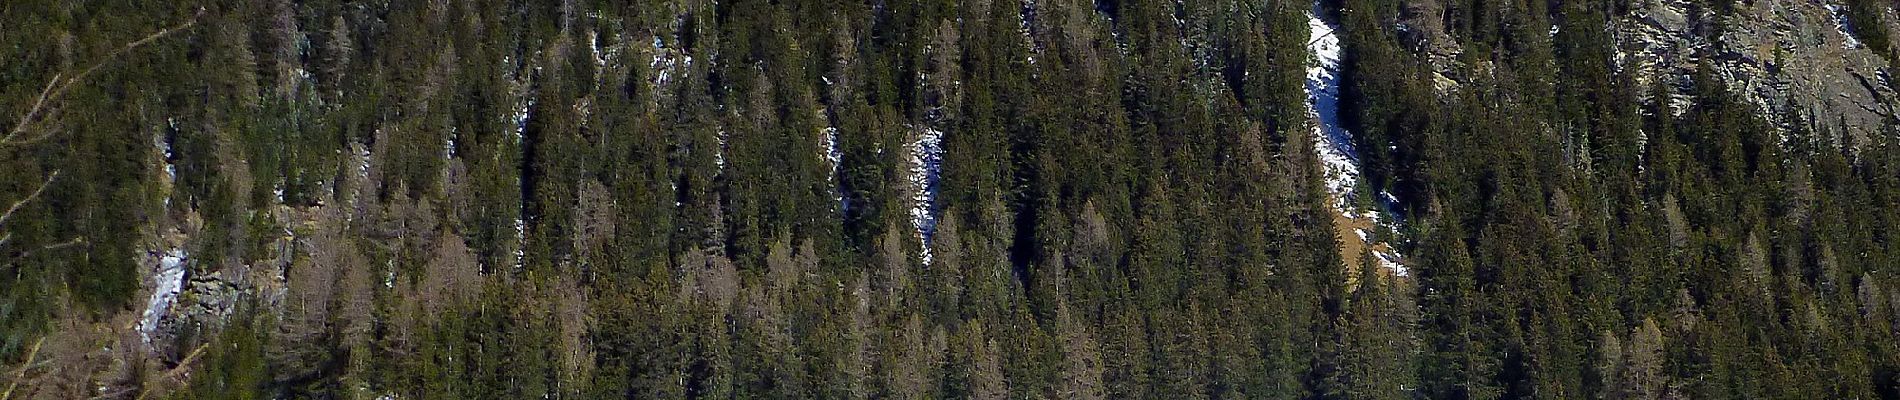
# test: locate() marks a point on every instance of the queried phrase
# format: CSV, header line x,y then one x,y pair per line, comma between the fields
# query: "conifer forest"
x,y
949,199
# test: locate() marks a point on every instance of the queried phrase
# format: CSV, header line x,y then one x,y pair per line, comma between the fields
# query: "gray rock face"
x,y
1793,59
1658,40
193,298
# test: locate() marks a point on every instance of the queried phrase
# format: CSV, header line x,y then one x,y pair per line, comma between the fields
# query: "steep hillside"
x,y
1365,199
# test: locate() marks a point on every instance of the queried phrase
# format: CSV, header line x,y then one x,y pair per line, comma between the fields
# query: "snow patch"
x,y
666,61
1335,147
362,160
593,46
719,156
448,144
164,143
832,154
521,243
835,156
926,164
168,279
1846,28
521,116
1388,261
1027,19
1336,152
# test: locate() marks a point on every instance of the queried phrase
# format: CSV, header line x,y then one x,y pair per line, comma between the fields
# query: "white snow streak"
x,y
593,46
362,160
521,116
1841,24
719,156
1322,93
164,142
521,243
832,154
1336,152
835,156
448,144
926,163
666,61
1027,18
167,281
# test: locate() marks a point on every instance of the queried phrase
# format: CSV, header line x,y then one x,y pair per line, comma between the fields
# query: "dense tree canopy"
x,y
913,199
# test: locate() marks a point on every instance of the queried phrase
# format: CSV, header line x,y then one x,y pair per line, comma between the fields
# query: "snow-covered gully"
x,y
1336,153
1322,96
926,164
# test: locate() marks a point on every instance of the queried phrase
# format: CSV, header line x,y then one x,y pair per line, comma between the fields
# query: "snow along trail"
x,y
1336,153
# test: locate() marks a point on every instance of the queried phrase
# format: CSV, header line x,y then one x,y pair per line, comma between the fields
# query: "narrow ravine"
x,y
168,273
1336,153
1322,97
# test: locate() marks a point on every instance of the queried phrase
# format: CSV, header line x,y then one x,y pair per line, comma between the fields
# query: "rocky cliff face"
x,y
1796,60
1799,61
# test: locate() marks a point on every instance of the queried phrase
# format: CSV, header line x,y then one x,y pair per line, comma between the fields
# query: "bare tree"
x,y
1609,362
46,107
942,89
453,277
1754,260
72,356
894,275
594,222
1081,357
1078,28
572,320
284,36
781,269
1873,304
1642,376
986,364
708,276
838,87
329,297
335,55
910,361
310,281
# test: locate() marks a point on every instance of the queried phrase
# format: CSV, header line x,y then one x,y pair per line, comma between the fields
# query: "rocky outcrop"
x,y
1422,30
1793,59
1796,60
189,297
1659,42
